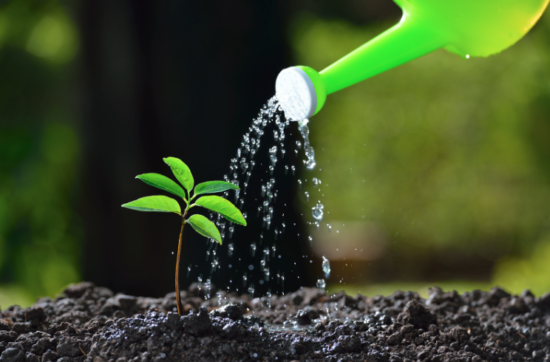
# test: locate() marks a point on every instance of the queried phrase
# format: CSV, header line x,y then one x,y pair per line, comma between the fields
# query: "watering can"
x,y
469,28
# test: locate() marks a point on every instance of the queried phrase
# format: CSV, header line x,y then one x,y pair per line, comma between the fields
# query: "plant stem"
x,y
178,301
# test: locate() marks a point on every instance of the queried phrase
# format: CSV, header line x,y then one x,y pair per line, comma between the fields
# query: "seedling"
x,y
198,222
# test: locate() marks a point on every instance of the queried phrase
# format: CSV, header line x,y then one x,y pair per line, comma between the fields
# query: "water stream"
x,y
242,173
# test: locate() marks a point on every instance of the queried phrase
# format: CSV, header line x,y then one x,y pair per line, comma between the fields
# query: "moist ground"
x,y
89,323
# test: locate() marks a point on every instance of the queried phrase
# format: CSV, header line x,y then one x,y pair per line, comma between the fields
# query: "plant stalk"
x,y
178,301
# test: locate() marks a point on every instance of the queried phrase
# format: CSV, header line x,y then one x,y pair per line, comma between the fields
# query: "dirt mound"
x,y
92,324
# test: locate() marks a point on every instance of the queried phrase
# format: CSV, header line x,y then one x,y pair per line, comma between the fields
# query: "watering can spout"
x,y
469,28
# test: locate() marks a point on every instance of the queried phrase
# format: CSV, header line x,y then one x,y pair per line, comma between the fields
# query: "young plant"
x,y
198,222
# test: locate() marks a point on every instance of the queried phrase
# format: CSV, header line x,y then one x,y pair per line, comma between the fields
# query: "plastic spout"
x,y
301,92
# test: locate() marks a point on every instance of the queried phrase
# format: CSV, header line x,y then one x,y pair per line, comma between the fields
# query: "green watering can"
x,y
469,28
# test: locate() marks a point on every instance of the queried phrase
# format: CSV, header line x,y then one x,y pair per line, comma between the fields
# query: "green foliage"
x,y
213,187
163,183
166,204
205,227
154,204
181,171
223,207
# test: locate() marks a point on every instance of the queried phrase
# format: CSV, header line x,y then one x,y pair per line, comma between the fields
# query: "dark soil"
x,y
91,324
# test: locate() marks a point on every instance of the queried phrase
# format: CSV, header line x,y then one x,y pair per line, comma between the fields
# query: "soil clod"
x,y
417,315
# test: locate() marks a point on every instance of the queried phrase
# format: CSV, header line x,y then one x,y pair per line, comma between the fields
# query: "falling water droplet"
x,y
316,182
309,151
253,249
207,289
307,196
317,212
215,264
326,267
321,283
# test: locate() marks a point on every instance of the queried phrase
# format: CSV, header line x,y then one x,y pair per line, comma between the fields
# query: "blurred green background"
x,y
39,150
439,168
437,172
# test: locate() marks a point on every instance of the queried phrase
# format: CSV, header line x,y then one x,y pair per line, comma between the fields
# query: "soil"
x,y
89,323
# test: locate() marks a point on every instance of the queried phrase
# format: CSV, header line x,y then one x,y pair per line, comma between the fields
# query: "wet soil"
x,y
89,323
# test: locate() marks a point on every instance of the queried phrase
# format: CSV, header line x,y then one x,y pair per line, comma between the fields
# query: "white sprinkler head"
x,y
296,93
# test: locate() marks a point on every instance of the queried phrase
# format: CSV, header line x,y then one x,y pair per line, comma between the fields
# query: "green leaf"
x,y
181,171
223,207
163,183
212,187
154,204
205,227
